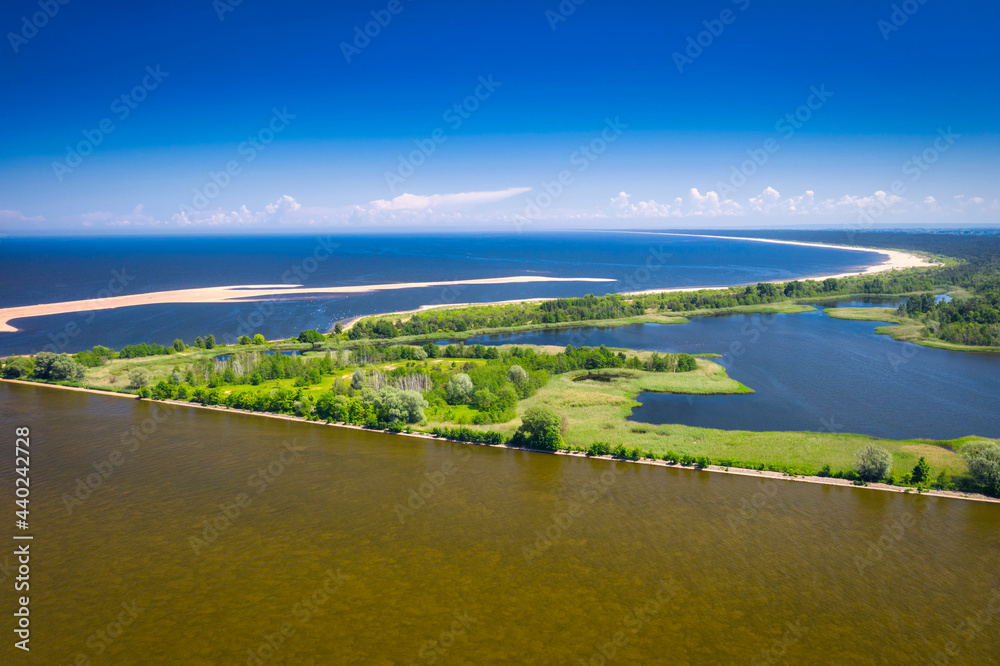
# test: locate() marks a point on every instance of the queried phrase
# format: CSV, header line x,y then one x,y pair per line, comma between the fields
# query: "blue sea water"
x,y
41,270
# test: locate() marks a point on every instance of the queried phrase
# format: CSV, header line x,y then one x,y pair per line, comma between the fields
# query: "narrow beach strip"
x,y
715,469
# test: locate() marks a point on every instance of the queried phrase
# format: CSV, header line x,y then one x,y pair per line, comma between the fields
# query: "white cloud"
x,y
461,208
425,202
17,217
623,207
771,203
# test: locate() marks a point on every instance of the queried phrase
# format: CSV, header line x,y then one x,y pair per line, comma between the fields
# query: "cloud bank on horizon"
x,y
466,208
731,113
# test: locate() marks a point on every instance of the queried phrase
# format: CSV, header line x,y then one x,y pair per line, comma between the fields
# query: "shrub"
x,y
469,435
872,462
18,367
358,379
983,459
141,350
138,378
540,429
459,388
599,449
922,471
311,335
57,367
686,363
517,375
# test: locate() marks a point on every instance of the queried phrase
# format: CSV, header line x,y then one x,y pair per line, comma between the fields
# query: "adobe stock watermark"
x,y
454,116
255,144
633,622
581,159
756,326
562,12
775,653
914,168
122,107
433,650
887,543
102,639
30,25
430,484
219,523
363,35
900,14
131,440
302,612
969,629
751,507
562,521
696,44
61,339
641,275
785,127
223,7
298,274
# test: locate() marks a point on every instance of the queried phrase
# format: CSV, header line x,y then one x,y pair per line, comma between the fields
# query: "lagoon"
x,y
810,373
504,557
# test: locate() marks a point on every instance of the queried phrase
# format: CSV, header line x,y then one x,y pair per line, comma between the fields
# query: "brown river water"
x,y
214,538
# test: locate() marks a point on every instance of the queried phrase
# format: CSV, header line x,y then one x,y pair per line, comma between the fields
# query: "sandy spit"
x,y
242,293
894,259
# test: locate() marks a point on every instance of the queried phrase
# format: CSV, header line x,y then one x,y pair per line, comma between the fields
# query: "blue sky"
x,y
320,127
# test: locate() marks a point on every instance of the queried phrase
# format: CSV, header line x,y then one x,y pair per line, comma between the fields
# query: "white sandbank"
x,y
242,293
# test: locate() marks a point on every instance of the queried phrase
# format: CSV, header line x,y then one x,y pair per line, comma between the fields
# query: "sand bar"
x,y
242,293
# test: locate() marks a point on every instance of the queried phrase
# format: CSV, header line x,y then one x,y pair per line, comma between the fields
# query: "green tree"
x,y
244,340
57,367
402,406
539,429
483,399
458,389
921,472
358,379
179,345
199,342
872,462
138,378
983,459
311,335
258,339
338,328
210,342
17,367
686,363
517,375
